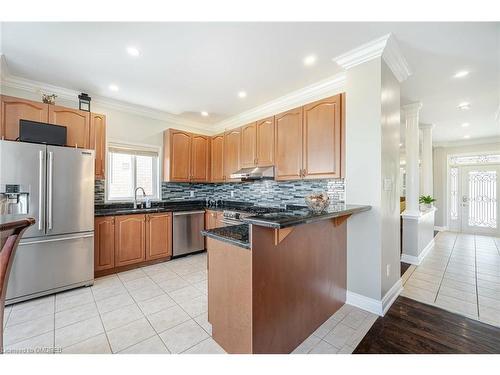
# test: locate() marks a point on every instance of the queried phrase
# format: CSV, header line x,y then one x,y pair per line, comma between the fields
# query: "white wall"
x,y
440,170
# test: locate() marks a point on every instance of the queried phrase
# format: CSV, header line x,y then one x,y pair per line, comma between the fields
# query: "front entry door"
x,y
480,192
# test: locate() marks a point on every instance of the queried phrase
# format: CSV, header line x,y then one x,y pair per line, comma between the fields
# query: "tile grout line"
x,y
444,273
54,331
100,318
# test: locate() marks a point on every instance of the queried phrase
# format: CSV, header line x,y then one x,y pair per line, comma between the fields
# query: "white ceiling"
x,y
185,68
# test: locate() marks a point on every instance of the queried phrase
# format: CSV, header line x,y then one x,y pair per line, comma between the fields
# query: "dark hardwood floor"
x,y
412,327
404,267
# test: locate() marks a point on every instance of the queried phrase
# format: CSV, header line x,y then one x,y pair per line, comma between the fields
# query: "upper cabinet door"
x,y
200,158
98,143
180,156
15,109
249,145
322,138
265,142
232,141
77,123
217,158
288,144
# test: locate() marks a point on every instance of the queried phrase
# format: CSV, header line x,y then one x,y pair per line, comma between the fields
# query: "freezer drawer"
x,y
49,264
187,227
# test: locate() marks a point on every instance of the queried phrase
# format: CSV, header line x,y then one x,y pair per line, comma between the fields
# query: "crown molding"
x,y
319,90
385,47
468,142
24,84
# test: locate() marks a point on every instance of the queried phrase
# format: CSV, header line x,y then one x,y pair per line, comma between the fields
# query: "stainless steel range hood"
x,y
254,173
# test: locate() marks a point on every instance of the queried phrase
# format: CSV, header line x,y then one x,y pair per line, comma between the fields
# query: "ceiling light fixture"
x,y
310,60
400,145
466,136
464,106
132,51
461,74
113,87
242,94
204,113
465,125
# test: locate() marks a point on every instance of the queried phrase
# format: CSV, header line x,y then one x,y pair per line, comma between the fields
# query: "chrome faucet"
x,y
136,205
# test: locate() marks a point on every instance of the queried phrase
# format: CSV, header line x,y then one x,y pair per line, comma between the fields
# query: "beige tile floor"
x,y
155,309
461,274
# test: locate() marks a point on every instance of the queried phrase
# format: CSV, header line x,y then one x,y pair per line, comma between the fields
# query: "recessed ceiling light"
x,y
465,125
113,87
464,106
466,136
309,60
132,51
461,74
204,113
400,144
242,94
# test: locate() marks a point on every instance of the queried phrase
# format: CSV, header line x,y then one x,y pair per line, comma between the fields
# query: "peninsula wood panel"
x,y
104,243
297,284
130,239
217,158
322,138
15,109
232,141
180,156
249,145
98,143
158,235
76,122
288,145
265,142
230,296
200,158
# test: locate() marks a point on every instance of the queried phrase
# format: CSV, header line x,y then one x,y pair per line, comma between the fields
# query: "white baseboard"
x,y
373,305
440,229
411,259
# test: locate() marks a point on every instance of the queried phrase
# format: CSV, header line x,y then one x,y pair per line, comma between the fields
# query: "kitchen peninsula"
x,y
274,280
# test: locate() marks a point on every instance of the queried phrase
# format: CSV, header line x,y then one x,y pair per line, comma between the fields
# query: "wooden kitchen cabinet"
x,y
158,235
200,158
249,145
217,158
130,239
186,157
98,143
14,109
265,142
288,145
322,139
257,144
76,122
104,243
232,143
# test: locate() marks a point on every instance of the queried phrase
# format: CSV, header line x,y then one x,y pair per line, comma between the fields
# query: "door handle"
x,y
40,189
49,193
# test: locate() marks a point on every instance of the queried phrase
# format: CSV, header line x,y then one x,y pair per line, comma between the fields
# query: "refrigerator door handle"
x,y
40,189
57,239
49,193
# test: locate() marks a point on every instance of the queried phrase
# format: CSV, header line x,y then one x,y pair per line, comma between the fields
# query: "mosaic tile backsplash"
x,y
264,192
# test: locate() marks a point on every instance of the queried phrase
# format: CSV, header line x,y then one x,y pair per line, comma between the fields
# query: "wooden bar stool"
x,y
12,228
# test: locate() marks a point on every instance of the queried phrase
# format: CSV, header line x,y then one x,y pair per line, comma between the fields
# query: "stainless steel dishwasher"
x,y
187,227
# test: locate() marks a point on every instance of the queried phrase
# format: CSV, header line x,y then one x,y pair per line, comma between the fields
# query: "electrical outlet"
x,y
191,193
388,270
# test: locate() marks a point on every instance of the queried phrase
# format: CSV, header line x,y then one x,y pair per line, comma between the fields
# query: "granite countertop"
x,y
128,209
235,235
291,218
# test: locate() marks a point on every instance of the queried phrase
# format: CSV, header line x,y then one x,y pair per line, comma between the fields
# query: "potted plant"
x,y
426,202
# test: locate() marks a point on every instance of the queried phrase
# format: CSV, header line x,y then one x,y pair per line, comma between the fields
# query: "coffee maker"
x,y
14,199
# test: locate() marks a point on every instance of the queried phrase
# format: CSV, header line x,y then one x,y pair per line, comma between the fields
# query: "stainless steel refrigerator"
x,y
55,185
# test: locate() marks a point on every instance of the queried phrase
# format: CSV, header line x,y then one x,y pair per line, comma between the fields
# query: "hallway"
x,y
461,274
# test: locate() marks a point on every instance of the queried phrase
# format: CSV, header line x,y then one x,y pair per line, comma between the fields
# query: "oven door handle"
x,y
225,221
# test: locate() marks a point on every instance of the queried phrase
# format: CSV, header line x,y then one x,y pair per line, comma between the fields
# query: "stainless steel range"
x,y
233,215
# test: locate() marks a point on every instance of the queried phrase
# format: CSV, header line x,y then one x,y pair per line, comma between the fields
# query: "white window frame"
x,y
138,148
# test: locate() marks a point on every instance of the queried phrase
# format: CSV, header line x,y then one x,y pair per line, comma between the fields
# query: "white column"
x,y
426,158
411,112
